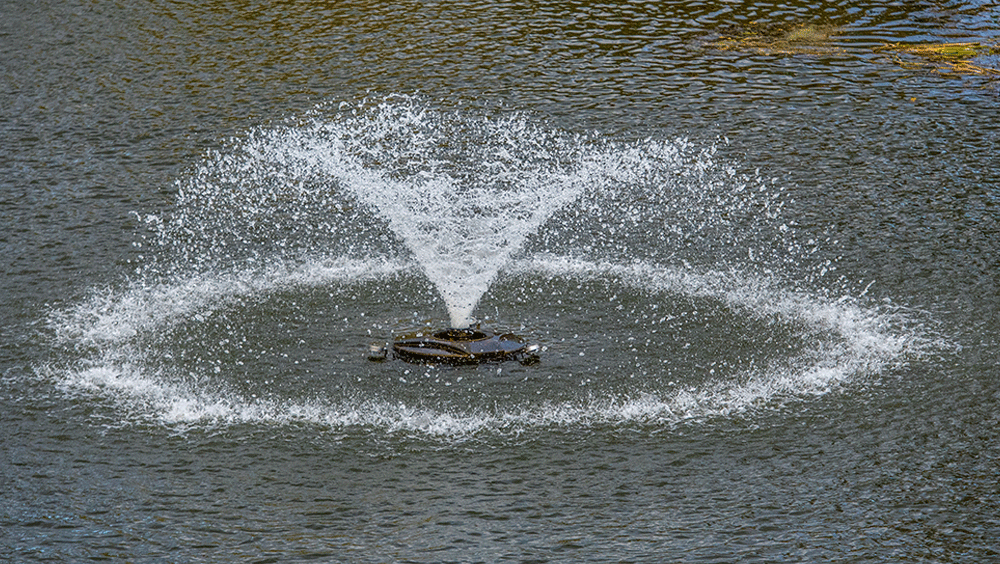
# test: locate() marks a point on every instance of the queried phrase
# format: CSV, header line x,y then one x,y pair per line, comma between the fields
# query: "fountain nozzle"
x,y
459,346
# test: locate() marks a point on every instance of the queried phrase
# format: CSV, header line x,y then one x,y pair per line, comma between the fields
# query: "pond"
x,y
755,244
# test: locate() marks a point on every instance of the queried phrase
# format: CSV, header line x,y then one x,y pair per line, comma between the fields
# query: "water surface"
x,y
765,283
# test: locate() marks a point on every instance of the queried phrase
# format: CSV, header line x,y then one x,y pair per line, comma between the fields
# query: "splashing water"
x,y
463,201
462,194
462,191
850,341
318,222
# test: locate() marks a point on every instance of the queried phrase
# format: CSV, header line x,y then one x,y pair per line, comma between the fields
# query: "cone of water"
x,y
463,195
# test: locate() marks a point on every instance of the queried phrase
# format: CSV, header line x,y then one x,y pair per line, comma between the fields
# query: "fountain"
x,y
662,284
463,195
458,346
462,192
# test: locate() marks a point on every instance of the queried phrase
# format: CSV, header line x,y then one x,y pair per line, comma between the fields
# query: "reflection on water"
x,y
563,56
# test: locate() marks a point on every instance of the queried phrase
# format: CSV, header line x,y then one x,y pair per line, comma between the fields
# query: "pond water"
x,y
756,243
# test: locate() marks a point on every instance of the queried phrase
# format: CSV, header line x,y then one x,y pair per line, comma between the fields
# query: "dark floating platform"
x,y
458,346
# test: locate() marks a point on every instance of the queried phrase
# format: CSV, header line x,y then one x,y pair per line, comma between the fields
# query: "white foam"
x,y
148,399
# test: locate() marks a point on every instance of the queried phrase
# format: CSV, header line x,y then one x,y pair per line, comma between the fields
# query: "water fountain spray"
x,y
458,195
462,194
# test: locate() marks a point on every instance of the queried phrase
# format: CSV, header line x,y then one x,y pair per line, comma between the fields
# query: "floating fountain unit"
x,y
458,346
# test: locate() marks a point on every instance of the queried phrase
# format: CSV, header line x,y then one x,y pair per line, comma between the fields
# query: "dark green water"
x,y
766,283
